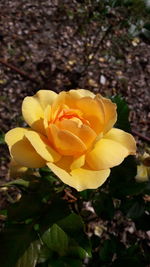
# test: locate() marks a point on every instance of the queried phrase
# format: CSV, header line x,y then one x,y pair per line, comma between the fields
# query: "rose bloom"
x,y
72,133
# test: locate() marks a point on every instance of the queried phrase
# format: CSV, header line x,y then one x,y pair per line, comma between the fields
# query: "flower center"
x,y
71,114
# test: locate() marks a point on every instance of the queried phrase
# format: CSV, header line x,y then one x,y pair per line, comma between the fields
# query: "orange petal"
x,y
66,143
21,149
93,111
84,132
110,113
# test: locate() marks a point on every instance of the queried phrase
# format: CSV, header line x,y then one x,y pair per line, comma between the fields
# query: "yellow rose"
x,y
71,132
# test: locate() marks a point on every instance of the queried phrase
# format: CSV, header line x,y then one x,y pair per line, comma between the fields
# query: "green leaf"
x,y
136,210
2,138
48,174
44,254
27,207
77,252
131,256
57,210
86,194
143,222
133,208
21,182
122,178
107,251
14,242
71,262
109,248
56,239
73,225
145,32
122,113
30,257
103,206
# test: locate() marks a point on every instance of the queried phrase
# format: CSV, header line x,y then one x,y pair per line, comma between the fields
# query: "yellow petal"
x,y
66,143
110,114
47,118
63,99
46,97
106,154
42,146
69,99
123,138
84,132
33,113
78,93
81,178
142,173
78,162
33,108
93,111
21,149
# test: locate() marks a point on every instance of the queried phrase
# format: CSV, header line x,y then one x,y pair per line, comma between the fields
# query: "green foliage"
x,y
103,205
45,230
1,138
30,257
56,239
122,113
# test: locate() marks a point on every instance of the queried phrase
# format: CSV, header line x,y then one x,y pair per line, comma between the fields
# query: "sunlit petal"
x,y
21,149
33,108
66,143
93,112
81,178
42,146
125,139
106,154
78,162
110,114
83,131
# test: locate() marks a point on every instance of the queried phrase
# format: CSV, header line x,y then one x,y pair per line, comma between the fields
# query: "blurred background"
x,y
99,45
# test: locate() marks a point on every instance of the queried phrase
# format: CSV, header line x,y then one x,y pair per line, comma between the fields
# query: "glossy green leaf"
x,y
136,210
103,206
122,178
56,239
73,225
53,212
14,242
20,182
44,254
77,252
27,207
107,251
122,113
30,257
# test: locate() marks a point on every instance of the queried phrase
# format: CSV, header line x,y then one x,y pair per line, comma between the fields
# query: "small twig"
x,y
68,194
95,49
147,139
22,73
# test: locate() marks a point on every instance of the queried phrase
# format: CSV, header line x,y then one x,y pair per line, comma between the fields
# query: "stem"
x,y
146,138
14,68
